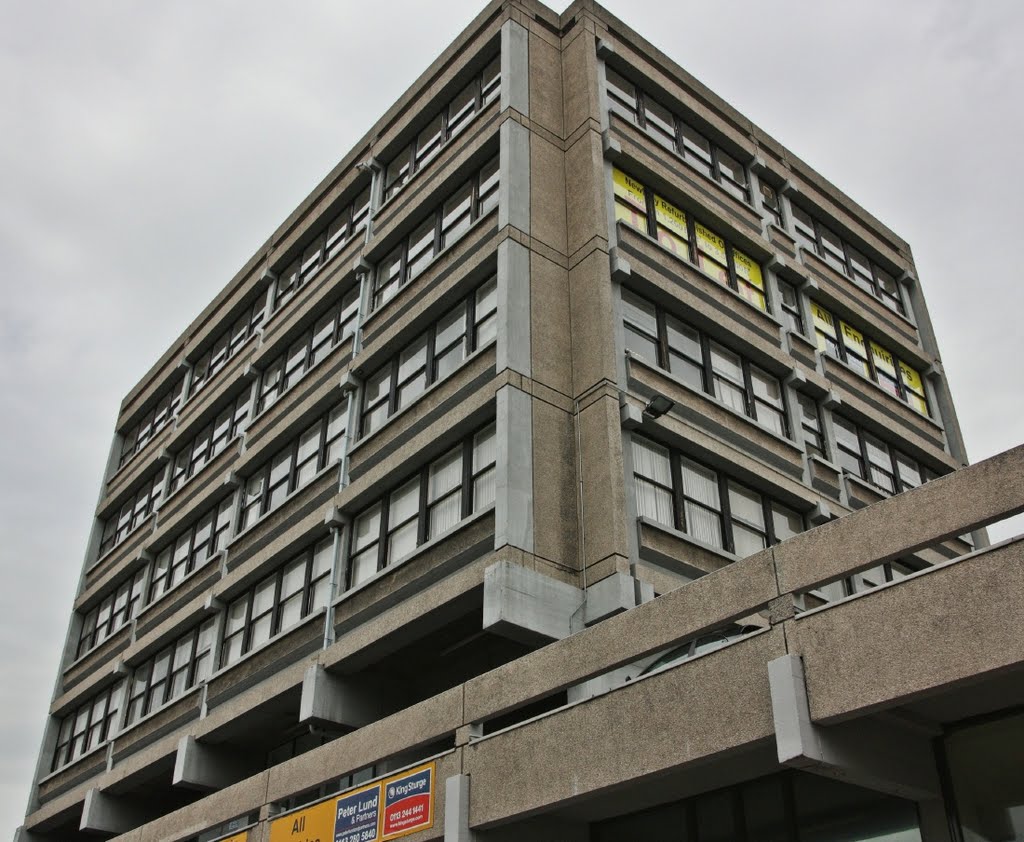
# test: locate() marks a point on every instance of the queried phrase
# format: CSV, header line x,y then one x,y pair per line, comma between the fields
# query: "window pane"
x,y
745,505
421,247
701,484
786,523
428,142
455,217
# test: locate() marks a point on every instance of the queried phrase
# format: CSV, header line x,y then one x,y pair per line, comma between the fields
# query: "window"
x,y
771,204
321,248
868,358
113,612
228,424
91,725
319,445
444,126
676,134
191,549
227,344
812,235
472,200
423,507
682,234
177,668
792,318
144,430
330,330
295,590
867,456
677,491
810,422
431,356
702,363
132,512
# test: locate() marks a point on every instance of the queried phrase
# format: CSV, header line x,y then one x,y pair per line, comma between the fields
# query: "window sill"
x,y
649,553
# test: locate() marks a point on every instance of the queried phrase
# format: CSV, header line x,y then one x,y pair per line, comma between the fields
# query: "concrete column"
x,y
456,810
514,341
515,66
514,165
514,480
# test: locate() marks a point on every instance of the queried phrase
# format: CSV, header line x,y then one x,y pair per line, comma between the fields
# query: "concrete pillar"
x,y
456,810
514,479
514,349
515,65
514,193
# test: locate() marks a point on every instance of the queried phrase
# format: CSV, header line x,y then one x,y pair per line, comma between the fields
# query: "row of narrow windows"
x,y
421,508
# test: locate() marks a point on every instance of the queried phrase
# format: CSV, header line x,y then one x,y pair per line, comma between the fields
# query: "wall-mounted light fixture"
x,y
658,406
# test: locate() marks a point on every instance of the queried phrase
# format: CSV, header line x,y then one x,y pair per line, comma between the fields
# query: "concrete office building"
x,y
457,514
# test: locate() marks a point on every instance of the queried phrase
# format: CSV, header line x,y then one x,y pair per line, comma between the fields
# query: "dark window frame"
x,y
486,91
468,504
873,285
143,431
733,280
275,612
229,342
131,513
221,516
712,169
302,268
725,517
852,359
387,287
105,619
94,731
345,314
862,456
390,370
154,695
751,400
263,501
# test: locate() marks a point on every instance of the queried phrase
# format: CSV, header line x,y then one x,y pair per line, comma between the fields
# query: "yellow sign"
x,y
238,837
629,189
710,244
915,388
672,230
748,269
883,360
310,825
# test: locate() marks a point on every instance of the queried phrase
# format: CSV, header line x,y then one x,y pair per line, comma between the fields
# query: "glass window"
x,y
621,95
456,214
701,503
653,476
444,497
661,125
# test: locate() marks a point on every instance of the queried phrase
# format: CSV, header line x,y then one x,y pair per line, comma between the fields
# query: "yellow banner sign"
x,y
629,189
315,824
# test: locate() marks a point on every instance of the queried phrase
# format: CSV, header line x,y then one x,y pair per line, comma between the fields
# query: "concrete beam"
x,y
612,595
514,192
882,756
514,341
513,506
207,767
105,813
527,606
338,700
515,67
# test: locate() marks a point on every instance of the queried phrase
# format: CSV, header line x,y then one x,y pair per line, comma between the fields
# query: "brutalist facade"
x,y
556,463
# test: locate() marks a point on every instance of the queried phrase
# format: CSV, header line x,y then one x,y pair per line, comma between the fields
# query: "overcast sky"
x,y
147,149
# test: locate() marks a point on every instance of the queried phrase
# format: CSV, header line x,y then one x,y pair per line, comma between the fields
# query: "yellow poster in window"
x,y
238,837
316,822
709,243
671,225
748,269
853,339
915,388
823,320
629,189
671,217
883,360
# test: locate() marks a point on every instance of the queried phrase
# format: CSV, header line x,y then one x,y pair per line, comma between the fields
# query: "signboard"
x,y
357,815
314,824
408,803
238,837
388,809
672,231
